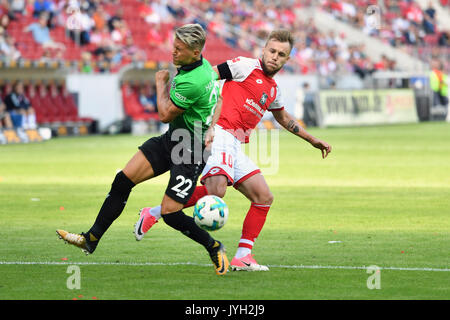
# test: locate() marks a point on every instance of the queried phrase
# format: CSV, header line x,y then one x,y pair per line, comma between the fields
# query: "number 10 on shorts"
x,y
224,160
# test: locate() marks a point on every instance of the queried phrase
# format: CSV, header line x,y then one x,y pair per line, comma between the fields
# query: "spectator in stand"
x,y
414,14
100,17
413,36
8,48
41,33
81,34
118,15
120,32
40,6
147,98
444,38
4,21
19,107
5,118
44,6
160,8
130,52
18,7
102,38
86,62
146,12
108,61
429,19
29,8
177,10
102,63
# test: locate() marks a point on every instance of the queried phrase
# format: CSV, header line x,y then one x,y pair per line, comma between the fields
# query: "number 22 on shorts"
x,y
182,193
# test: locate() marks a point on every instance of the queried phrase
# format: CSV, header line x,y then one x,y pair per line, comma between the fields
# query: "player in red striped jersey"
x,y
248,91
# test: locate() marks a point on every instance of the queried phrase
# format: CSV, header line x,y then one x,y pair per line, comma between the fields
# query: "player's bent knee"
x,y
267,198
217,185
217,190
263,198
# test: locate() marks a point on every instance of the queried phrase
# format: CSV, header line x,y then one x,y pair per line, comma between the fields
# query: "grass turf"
x,y
382,196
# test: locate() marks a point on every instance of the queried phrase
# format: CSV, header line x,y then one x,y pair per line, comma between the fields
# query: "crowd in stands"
x,y
246,24
16,110
107,32
28,104
400,23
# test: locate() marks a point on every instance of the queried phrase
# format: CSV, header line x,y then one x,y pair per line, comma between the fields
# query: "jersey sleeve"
x,y
237,69
182,94
278,103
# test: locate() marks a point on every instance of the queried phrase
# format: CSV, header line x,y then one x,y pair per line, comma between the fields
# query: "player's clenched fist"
x,y
162,76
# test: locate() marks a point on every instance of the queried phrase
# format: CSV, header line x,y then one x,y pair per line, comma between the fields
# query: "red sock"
x,y
199,192
253,224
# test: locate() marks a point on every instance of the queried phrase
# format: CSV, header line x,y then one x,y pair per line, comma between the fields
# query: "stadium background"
x,y
380,198
104,52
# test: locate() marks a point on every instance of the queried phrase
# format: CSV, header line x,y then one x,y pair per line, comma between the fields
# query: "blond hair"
x,y
192,35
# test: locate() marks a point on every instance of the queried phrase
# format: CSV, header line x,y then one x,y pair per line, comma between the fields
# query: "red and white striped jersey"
x,y
247,93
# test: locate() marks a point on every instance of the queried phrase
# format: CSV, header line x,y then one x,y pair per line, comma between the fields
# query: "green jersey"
x,y
195,89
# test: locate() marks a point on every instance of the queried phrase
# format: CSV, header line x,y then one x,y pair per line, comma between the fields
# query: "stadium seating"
x,y
234,29
400,20
53,104
132,106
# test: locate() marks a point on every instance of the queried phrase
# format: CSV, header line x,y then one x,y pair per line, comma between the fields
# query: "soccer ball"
x,y
210,213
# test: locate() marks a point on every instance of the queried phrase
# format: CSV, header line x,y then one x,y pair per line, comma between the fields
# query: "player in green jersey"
x,y
191,108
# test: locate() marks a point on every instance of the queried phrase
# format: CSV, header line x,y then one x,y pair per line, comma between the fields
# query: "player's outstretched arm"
x,y
289,123
167,111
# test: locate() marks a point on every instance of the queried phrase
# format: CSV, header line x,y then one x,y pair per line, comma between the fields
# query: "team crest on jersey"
x,y
263,99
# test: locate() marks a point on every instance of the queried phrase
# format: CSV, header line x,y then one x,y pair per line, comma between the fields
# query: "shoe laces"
x,y
75,238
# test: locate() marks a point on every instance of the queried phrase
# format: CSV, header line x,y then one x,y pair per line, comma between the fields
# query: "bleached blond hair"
x,y
192,35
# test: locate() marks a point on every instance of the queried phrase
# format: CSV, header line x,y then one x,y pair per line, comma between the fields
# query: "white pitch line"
x,y
143,264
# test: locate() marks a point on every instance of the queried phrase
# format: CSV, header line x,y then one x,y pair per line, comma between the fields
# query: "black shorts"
x,y
174,156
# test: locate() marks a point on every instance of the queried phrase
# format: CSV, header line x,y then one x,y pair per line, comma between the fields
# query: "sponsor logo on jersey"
x,y
263,99
180,97
255,106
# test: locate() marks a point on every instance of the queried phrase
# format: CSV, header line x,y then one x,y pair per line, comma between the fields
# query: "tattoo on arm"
x,y
292,126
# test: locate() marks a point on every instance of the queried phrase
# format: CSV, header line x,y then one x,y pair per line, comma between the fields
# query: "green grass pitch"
x,y
382,198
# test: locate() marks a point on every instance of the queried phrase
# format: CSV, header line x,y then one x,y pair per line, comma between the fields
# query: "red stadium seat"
x,y
132,106
70,106
65,113
43,114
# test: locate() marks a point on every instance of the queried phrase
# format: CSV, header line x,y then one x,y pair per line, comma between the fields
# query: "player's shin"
x,y
186,225
252,226
113,205
199,192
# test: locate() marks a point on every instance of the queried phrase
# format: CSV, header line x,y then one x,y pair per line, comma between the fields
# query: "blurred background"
x,y
70,67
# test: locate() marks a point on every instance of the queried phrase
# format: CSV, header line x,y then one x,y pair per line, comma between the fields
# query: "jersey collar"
x,y
192,66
